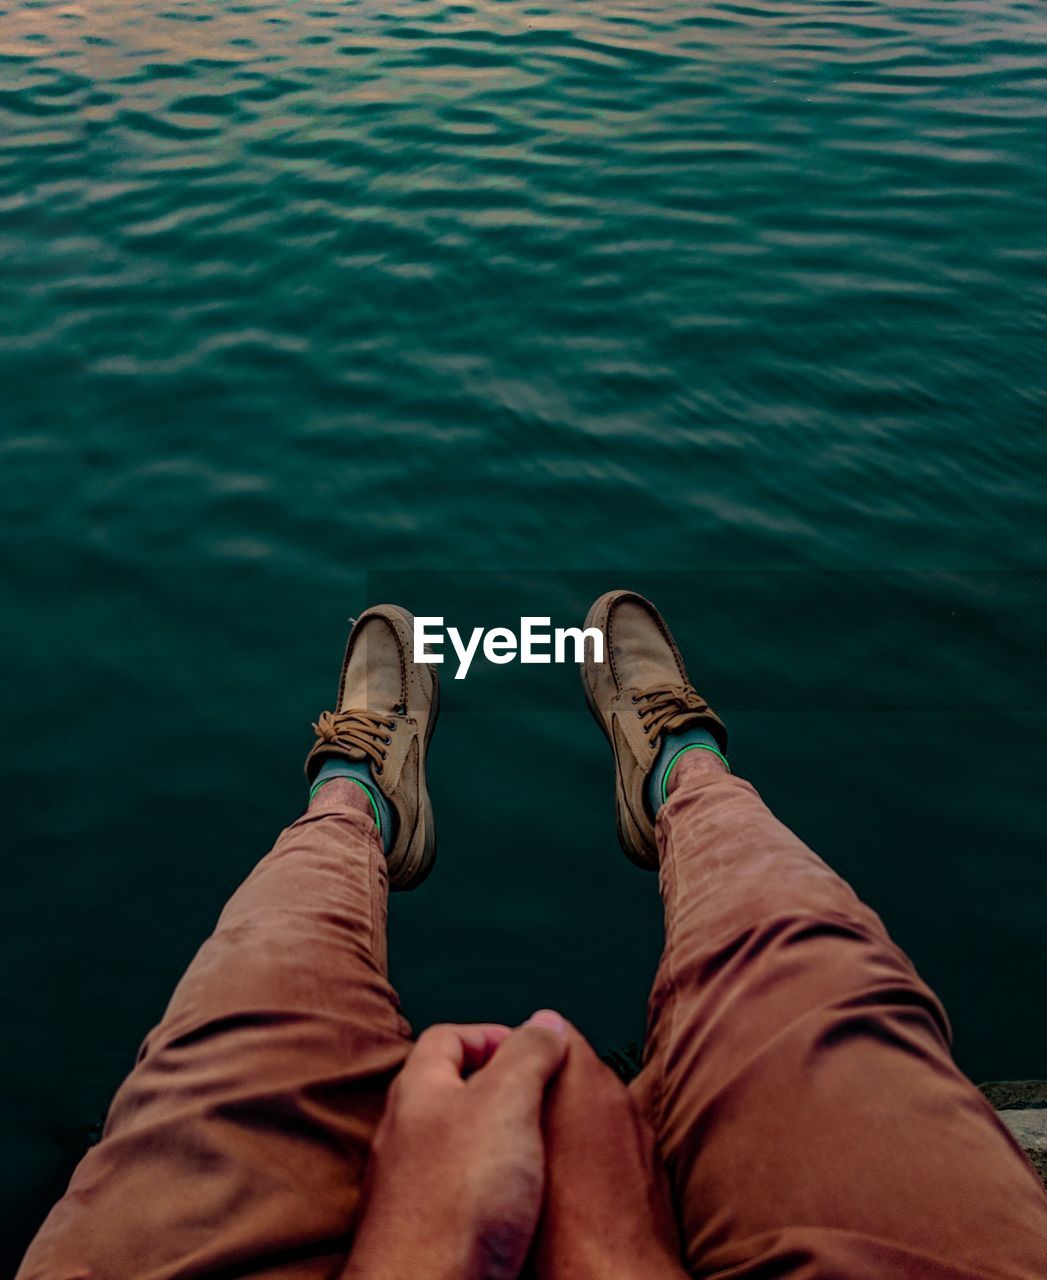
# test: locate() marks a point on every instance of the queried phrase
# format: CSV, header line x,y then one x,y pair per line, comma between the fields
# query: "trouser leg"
x,y
238,1143
798,1072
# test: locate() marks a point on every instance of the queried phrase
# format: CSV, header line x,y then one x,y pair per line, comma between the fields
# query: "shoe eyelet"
x,y
392,726
379,769
646,727
387,739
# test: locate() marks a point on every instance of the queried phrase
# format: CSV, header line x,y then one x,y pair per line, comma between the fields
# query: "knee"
x,y
787,965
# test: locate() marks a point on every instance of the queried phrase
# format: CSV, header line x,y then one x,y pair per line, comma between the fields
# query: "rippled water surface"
x,y
301,304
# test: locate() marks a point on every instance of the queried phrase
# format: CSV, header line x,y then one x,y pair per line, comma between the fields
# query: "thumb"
x,y
529,1057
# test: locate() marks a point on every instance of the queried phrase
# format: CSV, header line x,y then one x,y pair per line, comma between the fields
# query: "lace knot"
x,y
326,728
356,734
668,708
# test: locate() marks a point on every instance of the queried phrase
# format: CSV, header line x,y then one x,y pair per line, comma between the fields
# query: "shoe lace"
x,y
667,708
361,735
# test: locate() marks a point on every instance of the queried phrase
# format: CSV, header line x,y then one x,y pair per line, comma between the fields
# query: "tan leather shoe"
x,y
639,693
385,714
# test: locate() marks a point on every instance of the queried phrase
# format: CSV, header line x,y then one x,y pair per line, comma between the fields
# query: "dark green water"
x,y
489,307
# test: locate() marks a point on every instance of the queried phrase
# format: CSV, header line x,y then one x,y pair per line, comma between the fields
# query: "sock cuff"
x,y
322,782
688,746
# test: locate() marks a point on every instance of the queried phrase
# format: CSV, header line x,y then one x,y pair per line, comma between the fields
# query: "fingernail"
x,y
548,1019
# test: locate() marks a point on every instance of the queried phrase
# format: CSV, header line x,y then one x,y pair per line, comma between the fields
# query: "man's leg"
x,y
798,1071
238,1143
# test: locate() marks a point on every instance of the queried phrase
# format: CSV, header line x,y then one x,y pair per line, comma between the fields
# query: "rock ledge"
x,y
1022,1106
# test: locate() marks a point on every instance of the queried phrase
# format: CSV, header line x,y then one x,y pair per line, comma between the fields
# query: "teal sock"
x,y
359,771
674,745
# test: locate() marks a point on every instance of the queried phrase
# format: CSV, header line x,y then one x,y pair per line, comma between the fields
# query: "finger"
x,y
584,1083
449,1049
528,1058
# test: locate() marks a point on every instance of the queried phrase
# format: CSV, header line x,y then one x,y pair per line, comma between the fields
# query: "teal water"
x,y
489,307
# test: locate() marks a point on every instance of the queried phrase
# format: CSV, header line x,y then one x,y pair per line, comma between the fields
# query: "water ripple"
x,y
510,231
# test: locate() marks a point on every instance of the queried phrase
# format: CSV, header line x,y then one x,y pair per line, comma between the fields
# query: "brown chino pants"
x,y
798,1076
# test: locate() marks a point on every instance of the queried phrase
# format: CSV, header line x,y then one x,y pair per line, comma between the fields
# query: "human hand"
x,y
607,1212
454,1184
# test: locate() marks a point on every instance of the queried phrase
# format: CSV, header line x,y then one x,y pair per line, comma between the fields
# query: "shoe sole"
x,y
633,846
423,864
420,854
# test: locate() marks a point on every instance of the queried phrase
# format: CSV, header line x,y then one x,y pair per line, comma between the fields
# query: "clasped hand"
x,y
498,1146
